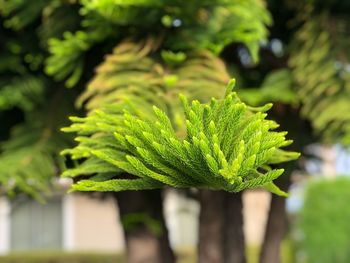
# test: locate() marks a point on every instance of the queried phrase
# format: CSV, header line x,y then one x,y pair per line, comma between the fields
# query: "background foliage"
x,y
324,222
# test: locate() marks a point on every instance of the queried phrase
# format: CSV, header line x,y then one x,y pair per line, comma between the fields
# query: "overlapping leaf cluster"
x,y
31,108
185,25
228,146
317,76
277,86
134,73
18,85
320,70
29,160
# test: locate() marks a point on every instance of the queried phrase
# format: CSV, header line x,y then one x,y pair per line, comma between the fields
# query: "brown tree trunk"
x,y
144,243
211,227
221,238
234,236
276,228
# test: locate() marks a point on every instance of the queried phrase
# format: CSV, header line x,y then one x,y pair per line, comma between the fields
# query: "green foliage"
x,y
132,74
324,222
132,221
228,146
29,152
60,257
287,252
183,25
20,13
184,255
320,62
30,159
276,87
57,18
316,78
18,86
67,61
21,91
196,24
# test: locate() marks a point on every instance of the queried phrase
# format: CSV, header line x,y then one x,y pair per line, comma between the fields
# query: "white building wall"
x,y
182,215
95,225
68,219
256,205
4,225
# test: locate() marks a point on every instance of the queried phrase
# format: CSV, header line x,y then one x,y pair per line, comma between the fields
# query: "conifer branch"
x,y
227,147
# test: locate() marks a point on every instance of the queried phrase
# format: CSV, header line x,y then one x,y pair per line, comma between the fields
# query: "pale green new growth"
x,y
228,146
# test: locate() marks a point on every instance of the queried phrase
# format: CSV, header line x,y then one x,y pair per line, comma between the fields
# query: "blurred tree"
x,y
34,105
325,207
304,68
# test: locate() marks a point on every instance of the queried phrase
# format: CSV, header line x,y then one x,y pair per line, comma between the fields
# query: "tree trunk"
x,y
144,243
276,227
221,238
211,227
234,236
